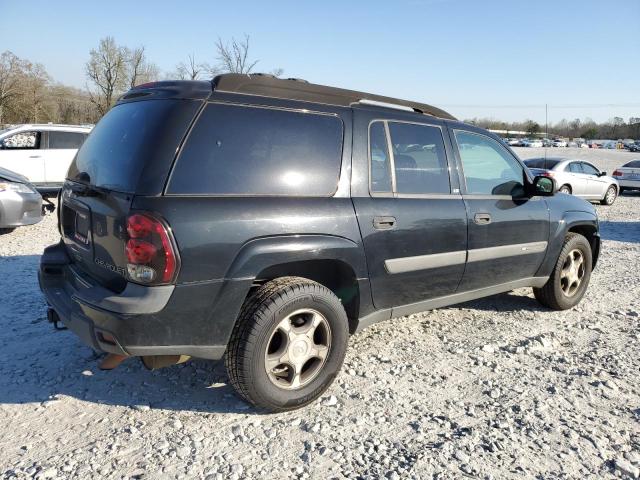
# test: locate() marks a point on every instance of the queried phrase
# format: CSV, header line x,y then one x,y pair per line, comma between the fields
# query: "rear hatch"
x,y
128,153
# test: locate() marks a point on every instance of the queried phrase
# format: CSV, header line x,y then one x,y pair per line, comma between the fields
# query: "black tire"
x,y
565,189
259,317
621,191
610,196
4,231
552,295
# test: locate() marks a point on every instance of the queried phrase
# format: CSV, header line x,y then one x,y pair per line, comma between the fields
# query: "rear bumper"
x,y
138,321
19,209
629,183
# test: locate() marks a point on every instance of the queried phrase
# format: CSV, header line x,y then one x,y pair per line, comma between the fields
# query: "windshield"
x,y
130,136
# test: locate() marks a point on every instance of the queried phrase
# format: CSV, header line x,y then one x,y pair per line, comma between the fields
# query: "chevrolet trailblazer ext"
x,y
264,220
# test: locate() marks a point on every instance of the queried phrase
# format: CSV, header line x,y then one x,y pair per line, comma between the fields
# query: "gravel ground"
x,y
495,388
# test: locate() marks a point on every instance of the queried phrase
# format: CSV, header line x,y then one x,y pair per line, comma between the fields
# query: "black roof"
x,y
296,89
270,86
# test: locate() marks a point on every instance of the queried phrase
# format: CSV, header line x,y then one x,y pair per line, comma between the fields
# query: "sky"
x,y
474,58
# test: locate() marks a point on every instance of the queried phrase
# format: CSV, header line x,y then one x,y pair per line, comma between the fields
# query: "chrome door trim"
x,y
447,259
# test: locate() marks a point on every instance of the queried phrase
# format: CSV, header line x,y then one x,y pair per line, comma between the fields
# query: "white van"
x,y
42,153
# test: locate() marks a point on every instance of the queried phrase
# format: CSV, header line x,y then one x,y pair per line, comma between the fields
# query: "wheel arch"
x,y
336,262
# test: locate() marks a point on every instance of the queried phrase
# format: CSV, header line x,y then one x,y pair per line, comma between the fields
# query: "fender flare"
x,y
259,254
557,233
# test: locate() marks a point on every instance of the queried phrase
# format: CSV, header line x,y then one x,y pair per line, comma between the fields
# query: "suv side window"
x,y
22,141
575,167
241,150
59,140
489,169
417,163
589,169
380,161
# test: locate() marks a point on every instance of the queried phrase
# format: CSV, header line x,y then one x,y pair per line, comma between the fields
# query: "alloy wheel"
x,y
572,273
297,349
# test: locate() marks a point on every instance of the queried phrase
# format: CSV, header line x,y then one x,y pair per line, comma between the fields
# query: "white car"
x,y
559,143
628,176
42,153
535,143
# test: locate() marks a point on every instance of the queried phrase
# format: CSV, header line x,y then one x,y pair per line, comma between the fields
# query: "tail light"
x,y
617,173
547,173
152,257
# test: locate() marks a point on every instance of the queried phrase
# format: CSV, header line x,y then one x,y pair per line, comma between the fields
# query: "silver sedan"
x,y
577,177
20,202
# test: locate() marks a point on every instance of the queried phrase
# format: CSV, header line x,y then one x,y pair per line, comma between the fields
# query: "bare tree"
x,y
233,57
140,69
107,70
10,72
36,83
191,70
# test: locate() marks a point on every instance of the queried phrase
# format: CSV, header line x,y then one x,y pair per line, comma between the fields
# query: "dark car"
x,y
265,220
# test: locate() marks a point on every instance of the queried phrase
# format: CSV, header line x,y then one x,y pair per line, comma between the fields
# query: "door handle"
x,y
34,156
482,218
384,223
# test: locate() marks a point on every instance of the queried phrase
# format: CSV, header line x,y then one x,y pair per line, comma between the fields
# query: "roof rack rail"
x,y
294,89
375,103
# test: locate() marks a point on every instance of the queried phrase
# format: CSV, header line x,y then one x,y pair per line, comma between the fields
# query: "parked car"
x,y
628,176
559,143
20,203
633,147
42,153
263,220
577,177
514,142
535,143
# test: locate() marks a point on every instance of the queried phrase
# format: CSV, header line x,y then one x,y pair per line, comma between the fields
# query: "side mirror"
x,y
602,174
543,186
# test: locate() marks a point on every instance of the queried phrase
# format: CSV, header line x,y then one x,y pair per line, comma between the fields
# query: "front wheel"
x,y
565,189
570,277
610,196
288,344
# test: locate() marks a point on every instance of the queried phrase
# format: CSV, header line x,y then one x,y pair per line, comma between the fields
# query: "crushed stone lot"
x,y
495,388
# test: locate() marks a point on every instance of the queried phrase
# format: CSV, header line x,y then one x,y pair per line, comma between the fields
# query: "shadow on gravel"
x,y
620,231
38,363
504,302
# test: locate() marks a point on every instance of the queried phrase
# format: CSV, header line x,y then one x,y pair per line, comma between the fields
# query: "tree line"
x,y
615,128
28,94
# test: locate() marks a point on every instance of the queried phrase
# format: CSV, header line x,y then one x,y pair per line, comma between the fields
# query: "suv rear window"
x,y
130,137
239,150
62,140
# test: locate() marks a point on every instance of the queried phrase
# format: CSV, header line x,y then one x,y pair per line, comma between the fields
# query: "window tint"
x,y
632,164
128,137
65,139
237,150
541,163
419,159
575,167
488,167
22,141
590,169
379,154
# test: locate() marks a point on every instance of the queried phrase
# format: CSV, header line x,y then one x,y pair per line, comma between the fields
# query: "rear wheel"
x,y
4,231
570,277
288,344
610,196
565,189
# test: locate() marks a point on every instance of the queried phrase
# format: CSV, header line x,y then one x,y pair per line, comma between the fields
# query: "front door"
x,y
21,153
412,217
507,232
596,184
579,180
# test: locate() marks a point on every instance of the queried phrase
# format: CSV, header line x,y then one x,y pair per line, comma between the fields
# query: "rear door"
x,y
507,232
60,150
129,153
22,153
409,208
578,179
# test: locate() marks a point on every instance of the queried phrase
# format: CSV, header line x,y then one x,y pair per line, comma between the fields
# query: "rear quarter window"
x,y
239,150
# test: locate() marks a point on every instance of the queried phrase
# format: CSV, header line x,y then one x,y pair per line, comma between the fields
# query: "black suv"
x,y
264,220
